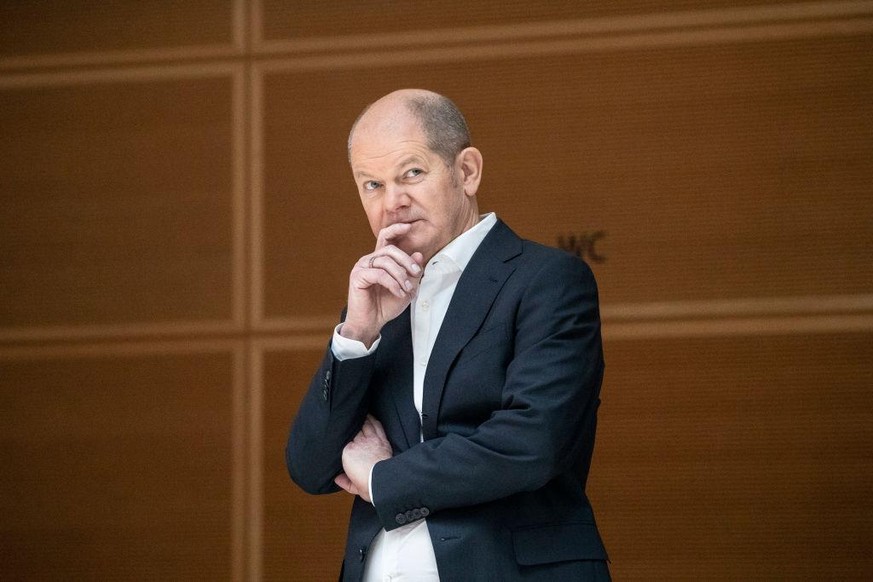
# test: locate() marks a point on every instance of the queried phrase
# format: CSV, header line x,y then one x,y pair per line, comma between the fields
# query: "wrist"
x,y
364,335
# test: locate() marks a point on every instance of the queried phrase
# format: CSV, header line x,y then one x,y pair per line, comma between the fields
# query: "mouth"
x,y
413,221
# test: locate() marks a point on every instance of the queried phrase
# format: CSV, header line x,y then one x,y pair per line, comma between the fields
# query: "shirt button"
x,y
425,305
422,362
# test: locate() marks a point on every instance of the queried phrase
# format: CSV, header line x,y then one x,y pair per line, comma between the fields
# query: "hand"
x,y
368,447
381,285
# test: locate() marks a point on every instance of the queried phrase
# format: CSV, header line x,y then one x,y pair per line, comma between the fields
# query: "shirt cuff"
x,y
344,348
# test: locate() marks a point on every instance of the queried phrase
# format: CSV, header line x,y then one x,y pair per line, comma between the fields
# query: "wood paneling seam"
x,y
799,306
702,311
239,494
119,74
256,202
101,348
817,18
756,18
126,57
255,512
739,327
721,308
670,38
116,331
239,267
234,49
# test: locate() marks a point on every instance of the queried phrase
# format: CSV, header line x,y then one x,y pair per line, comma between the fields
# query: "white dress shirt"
x,y
406,553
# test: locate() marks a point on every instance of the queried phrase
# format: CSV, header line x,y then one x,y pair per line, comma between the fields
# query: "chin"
x,y
410,242
415,242
409,247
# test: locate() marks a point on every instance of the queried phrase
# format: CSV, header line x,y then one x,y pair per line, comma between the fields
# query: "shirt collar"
x,y
460,251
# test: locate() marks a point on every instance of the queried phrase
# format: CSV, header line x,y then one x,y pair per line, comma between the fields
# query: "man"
x,y
458,397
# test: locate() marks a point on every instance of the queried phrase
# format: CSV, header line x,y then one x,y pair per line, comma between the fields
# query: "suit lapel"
x,y
477,289
398,334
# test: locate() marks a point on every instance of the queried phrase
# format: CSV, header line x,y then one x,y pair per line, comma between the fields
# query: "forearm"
x,y
517,449
331,413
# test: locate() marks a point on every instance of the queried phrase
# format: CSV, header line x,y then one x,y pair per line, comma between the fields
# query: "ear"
x,y
470,167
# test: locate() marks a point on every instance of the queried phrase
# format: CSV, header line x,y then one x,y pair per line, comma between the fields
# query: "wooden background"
x,y
178,221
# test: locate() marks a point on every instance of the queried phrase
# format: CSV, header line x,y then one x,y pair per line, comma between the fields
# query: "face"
x,y
400,179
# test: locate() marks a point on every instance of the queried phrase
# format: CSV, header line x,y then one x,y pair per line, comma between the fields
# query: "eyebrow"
x,y
414,158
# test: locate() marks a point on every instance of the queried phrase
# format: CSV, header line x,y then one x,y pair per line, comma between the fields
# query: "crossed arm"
x,y
368,447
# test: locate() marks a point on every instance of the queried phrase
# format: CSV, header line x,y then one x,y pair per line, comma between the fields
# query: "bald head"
x,y
437,116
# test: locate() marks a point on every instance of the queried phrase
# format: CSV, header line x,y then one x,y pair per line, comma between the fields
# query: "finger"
x,y
403,272
365,278
367,429
377,427
392,233
409,263
419,259
372,428
343,481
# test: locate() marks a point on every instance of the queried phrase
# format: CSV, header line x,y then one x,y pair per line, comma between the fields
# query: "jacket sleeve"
x,y
544,425
331,413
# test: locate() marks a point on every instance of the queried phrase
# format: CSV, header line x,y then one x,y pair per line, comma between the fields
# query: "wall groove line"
x,y
743,307
800,314
596,43
755,17
219,51
706,26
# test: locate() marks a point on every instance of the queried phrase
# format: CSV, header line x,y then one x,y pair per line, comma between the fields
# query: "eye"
x,y
414,172
371,185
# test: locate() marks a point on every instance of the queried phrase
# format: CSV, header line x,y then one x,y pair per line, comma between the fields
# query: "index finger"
x,y
410,263
377,427
391,233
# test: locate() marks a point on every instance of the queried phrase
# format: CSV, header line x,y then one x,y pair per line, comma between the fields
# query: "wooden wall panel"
x,y
373,17
308,195
714,172
117,202
737,458
304,535
116,466
52,27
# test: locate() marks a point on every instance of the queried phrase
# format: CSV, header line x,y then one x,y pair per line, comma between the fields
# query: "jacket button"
x,y
410,516
425,512
416,514
400,518
325,385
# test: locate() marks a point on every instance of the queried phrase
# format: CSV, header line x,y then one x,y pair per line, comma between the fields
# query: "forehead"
x,y
383,134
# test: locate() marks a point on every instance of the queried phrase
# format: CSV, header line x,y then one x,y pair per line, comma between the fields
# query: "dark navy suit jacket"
x,y
509,413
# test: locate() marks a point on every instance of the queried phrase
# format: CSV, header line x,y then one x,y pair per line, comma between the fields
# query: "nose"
x,y
396,198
